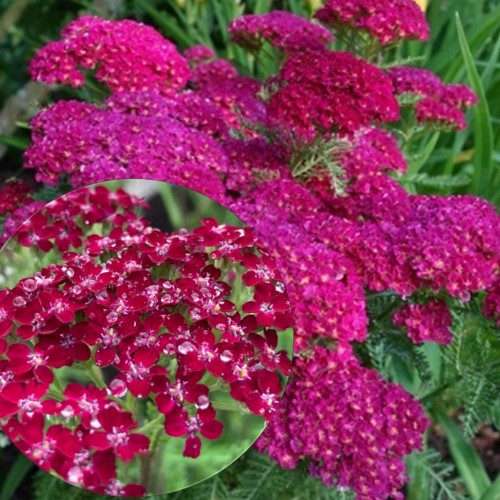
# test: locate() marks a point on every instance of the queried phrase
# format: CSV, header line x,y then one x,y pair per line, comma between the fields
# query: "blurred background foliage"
x,y
465,50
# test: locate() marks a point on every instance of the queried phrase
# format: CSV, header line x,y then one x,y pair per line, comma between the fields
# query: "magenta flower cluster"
x,y
388,21
352,425
438,103
320,92
426,322
92,144
128,56
284,30
156,309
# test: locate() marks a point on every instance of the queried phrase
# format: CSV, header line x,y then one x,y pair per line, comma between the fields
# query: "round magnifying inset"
x,y
143,346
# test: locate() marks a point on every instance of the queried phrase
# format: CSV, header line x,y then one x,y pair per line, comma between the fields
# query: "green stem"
x,y
229,406
145,465
55,395
96,376
151,425
441,389
156,475
131,403
57,383
172,206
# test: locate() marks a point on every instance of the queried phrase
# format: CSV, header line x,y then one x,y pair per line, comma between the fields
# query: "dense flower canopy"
x,y
352,425
309,157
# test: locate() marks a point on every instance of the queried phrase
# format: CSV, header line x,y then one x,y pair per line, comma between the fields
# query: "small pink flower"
x,y
116,435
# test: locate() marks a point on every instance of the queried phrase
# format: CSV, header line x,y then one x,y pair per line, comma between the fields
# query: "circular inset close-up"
x,y
145,338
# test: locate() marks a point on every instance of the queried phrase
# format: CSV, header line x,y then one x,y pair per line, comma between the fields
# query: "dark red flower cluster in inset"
x,y
158,309
439,104
284,30
13,195
389,21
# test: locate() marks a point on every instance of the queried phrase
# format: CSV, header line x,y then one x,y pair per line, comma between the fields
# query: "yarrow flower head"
x,y
146,315
128,56
438,103
320,92
426,322
102,144
236,96
284,30
198,54
388,21
352,425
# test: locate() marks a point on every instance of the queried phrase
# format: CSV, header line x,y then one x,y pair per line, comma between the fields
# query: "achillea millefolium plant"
x,y
312,155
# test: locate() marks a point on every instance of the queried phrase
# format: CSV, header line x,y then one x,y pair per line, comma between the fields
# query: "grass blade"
x,y
15,142
483,130
466,459
487,27
15,477
167,24
493,492
262,6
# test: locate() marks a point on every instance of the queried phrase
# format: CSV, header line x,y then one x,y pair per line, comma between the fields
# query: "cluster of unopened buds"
x,y
146,316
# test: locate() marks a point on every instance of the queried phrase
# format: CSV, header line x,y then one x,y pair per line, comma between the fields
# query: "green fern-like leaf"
x,y
210,489
437,478
386,344
438,181
471,362
262,478
380,305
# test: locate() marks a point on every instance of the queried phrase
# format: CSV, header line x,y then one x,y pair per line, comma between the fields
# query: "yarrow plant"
x,y
153,323
311,149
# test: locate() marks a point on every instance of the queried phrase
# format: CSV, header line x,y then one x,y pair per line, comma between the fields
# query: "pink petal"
x,y
164,403
134,490
212,429
175,422
139,443
251,307
99,441
5,327
140,388
192,447
7,408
